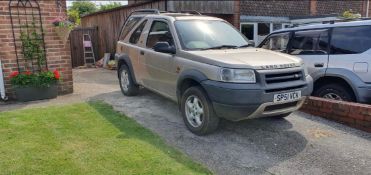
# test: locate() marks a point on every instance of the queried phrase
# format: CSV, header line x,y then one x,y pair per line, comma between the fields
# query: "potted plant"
x,y
63,28
30,86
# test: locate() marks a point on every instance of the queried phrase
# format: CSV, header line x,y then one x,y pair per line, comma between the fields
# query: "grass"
x,y
86,138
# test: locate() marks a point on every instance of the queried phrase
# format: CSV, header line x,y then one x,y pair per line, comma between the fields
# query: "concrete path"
x,y
299,144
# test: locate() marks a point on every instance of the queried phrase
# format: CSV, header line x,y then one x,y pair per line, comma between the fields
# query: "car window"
x,y
159,32
351,40
277,42
128,26
310,42
205,34
134,38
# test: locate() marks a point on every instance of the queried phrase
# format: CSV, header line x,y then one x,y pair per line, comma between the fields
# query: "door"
x,y
159,67
312,46
250,31
350,50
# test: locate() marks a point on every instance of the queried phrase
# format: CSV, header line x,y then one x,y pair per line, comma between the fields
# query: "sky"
x,y
98,2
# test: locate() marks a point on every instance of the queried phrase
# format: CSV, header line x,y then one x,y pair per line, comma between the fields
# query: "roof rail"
x,y
194,12
146,11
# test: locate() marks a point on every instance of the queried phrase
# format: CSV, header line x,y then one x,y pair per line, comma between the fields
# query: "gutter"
x,y
2,84
368,8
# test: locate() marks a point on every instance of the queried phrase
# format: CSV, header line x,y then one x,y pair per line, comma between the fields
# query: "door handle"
x,y
142,52
319,64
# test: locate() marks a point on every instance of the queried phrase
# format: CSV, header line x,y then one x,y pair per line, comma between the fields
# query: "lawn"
x,y
85,138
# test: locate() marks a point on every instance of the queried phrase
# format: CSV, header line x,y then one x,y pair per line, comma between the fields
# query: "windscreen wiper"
x,y
221,47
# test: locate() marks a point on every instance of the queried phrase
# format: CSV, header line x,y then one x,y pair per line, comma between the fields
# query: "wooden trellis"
x,y
26,22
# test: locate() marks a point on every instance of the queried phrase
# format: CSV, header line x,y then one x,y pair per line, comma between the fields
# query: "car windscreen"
x,y
208,34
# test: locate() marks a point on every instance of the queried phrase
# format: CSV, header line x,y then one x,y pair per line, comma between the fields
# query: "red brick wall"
x,y
352,114
57,54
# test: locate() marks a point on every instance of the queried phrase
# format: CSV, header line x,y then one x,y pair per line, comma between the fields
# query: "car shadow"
x,y
246,147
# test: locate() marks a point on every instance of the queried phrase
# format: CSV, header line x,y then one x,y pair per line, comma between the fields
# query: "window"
x,y
277,42
159,32
351,40
310,42
248,31
134,38
129,25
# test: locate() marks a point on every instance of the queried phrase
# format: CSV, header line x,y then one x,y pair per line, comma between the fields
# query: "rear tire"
x,y
335,91
197,111
127,85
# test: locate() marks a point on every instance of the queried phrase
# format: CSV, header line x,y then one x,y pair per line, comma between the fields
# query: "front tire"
x,y
335,92
197,111
127,85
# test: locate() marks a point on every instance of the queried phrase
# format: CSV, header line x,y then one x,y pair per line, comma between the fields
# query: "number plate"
x,y
284,97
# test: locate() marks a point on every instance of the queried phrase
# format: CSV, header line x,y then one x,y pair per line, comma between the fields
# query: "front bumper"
x,y
235,102
364,94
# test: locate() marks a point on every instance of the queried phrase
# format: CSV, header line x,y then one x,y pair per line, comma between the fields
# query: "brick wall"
x,y
57,54
275,8
300,7
352,114
325,7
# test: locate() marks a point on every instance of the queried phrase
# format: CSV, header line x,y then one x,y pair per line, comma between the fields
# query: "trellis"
x,y
26,21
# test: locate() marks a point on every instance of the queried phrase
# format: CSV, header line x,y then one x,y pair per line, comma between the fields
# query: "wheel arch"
x,y
189,78
124,59
334,79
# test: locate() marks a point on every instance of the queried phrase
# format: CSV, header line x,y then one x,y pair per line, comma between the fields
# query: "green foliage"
x,y
74,16
86,139
83,7
349,14
109,6
32,46
28,79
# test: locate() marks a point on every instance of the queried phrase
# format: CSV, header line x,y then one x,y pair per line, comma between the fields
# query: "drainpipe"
x,y
2,84
368,8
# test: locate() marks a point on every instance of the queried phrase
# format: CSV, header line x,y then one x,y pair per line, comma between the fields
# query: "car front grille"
x,y
283,77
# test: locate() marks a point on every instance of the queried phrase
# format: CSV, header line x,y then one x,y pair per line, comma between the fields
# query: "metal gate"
x,y
77,47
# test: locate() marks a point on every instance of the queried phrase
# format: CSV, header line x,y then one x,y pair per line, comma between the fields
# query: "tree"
x,y
110,6
74,16
83,7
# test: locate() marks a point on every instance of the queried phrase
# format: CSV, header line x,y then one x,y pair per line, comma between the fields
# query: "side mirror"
x,y
164,47
251,43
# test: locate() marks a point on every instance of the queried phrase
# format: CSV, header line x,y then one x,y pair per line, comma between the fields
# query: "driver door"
x,y
159,67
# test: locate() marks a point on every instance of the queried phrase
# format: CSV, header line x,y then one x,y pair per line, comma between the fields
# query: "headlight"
x,y
237,75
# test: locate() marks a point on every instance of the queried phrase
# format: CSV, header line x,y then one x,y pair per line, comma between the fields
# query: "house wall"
x,y
57,54
300,7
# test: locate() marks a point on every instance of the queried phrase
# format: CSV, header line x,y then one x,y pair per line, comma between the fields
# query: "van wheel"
x,y
197,111
335,92
127,85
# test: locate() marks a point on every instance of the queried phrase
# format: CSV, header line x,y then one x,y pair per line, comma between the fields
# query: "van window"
x,y
351,40
159,32
310,42
277,42
134,38
128,26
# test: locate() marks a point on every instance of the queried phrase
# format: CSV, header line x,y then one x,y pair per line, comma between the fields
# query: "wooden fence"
x,y
77,48
109,23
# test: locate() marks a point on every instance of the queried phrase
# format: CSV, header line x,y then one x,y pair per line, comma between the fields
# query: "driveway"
x,y
299,144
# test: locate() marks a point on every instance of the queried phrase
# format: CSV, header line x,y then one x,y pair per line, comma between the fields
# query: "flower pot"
x,y
36,93
63,33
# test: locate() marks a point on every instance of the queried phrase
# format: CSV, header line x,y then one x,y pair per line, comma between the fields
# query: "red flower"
x,y
13,74
56,75
27,73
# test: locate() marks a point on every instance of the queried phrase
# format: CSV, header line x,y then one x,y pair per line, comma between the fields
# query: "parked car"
x,y
203,63
338,57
